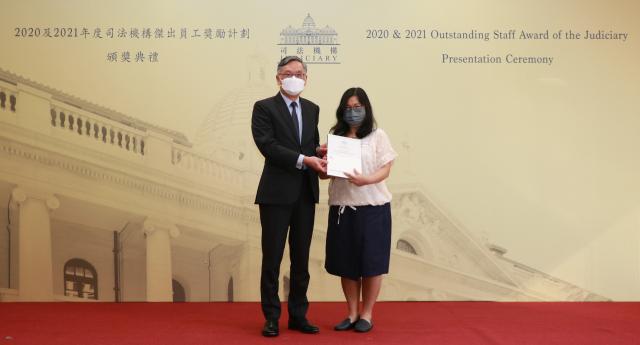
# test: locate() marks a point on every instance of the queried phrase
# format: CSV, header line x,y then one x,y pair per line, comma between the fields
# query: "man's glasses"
x,y
289,75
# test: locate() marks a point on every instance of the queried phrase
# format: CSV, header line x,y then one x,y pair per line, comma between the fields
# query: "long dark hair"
x,y
366,127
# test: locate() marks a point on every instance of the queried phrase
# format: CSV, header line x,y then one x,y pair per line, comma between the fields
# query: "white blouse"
x,y
376,152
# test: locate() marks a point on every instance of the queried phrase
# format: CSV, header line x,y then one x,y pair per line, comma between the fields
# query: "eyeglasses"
x,y
297,75
357,107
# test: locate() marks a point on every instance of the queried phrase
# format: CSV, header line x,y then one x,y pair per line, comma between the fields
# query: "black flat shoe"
x,y
303,326
363,326
271,329
345,325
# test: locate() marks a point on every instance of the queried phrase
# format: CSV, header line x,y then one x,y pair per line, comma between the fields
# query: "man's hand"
x,y
315,163
321,151
358,179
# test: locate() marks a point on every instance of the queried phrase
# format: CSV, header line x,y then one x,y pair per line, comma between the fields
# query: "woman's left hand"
x,y
357,178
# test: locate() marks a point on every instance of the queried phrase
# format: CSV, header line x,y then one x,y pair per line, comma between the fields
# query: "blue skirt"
x,y
358,241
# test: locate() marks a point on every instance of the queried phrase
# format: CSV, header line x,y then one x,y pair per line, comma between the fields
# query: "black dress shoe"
x,y
271,329
363,326
303,326
345,325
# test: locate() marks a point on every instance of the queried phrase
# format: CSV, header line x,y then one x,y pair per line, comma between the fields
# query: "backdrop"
x,y
128,168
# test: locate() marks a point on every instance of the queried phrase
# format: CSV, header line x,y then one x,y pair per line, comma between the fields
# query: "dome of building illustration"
x,y
225,133
308,22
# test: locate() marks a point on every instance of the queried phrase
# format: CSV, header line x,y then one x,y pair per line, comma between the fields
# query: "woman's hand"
x,y
323,176
321,151
358,179
378,176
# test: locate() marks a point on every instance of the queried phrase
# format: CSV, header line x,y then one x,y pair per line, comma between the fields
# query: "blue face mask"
x,y
355,116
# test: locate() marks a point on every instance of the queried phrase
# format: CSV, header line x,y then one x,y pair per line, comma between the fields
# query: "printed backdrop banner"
x,y
128,171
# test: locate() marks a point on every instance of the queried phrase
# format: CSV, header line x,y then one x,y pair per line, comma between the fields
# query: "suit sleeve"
x,y
264,137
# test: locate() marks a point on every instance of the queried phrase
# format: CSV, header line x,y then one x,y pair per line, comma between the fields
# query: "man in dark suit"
x,y
285,129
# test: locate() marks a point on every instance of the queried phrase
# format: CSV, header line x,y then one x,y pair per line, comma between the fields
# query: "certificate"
x,y
343,155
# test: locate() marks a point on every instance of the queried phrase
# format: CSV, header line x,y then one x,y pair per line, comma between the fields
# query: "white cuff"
x,y
299,164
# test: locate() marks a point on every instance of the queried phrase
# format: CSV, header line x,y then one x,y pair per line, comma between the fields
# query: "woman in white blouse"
x,y
359,228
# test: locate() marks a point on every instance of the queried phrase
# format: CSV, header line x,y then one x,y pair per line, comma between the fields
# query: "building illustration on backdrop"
x,y
101,206
308,34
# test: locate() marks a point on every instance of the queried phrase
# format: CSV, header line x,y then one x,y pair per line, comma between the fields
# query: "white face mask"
x,y
293,85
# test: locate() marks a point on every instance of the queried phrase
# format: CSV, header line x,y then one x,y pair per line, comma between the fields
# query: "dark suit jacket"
x,y
274,134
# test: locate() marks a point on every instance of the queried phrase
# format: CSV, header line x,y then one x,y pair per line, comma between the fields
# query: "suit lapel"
x,y
285,115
